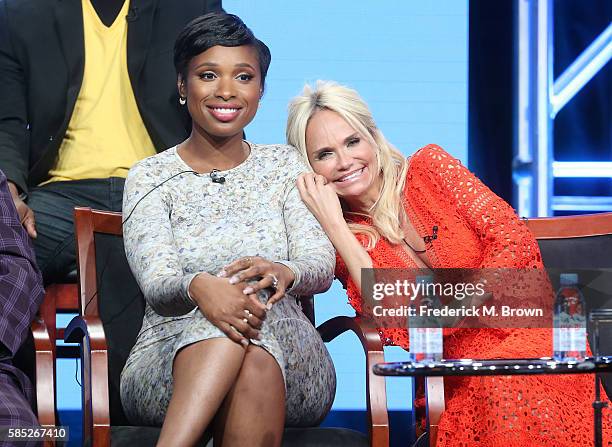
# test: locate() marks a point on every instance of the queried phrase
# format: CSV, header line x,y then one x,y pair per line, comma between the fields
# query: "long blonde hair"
x,y
388,210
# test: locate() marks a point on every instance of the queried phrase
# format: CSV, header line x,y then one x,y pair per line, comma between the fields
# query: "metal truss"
x,y
540,98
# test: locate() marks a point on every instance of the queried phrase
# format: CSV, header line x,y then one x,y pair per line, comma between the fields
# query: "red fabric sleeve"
x,y
507,240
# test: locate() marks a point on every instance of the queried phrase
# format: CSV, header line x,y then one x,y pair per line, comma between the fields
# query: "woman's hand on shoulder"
x,y
268,274
224,304
321,199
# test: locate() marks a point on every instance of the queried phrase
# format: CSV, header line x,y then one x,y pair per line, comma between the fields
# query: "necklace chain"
x,y
412,248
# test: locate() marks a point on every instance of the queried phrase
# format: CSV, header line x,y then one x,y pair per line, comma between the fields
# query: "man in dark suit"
x,y
21,293
88,88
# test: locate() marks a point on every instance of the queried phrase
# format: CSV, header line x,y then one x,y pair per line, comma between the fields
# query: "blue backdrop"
x,y
408,59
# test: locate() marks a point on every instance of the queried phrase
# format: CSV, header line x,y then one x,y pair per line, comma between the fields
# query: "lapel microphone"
x,y
217,177
433,236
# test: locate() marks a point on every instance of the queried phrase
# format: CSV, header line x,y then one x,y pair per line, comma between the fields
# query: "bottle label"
x,y
426,340
570,339
569,321
416,340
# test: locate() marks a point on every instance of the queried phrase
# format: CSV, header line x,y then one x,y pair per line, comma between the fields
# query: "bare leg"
x,y
253,412
203,374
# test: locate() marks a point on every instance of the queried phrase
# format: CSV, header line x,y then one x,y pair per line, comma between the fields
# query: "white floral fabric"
x,y
178,224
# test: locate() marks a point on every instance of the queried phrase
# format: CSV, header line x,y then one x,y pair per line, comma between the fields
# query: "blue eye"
x,y
353,142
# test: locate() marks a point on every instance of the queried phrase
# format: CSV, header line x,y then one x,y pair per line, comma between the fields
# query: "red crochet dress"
x,y
477,229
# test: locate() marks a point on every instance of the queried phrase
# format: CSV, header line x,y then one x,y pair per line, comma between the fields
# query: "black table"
x,y
503,367
498,367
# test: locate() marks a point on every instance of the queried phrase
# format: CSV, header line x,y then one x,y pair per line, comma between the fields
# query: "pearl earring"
x,y
182,101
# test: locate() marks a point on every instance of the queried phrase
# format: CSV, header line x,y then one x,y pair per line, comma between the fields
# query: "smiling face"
x,y
223,88
343,156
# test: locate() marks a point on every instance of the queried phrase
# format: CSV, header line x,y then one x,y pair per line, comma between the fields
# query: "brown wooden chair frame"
x,y
44,358
87,329
58,297
45,365
562,227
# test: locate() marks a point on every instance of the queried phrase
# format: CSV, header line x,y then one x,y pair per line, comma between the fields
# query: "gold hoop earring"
x,y
182,101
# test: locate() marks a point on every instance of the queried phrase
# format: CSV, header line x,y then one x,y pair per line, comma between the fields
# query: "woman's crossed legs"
x,y
240,390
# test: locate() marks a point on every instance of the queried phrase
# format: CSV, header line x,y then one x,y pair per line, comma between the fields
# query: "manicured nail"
x,y
244,342
269,306
222,274
248,290
259,337
234,280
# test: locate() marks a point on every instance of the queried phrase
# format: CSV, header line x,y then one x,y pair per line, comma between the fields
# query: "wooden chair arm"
x,y
375,385
45,373
89,333
434,393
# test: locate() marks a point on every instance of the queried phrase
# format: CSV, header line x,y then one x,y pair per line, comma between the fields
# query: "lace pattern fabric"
x,y
477,229
194,225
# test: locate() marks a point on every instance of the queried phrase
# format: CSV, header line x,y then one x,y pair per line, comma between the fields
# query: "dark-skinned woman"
x,y
221,244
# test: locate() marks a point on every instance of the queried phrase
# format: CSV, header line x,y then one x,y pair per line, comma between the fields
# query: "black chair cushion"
x,y
121,307
579,255
71,277
129,436
323,437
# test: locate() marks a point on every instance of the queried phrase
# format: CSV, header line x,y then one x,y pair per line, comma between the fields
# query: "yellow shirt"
x,y
106,135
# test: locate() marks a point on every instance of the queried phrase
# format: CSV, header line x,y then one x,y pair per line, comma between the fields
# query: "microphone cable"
x,y
154,188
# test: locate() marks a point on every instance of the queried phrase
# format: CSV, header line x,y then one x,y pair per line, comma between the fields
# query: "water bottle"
x,y
424,330
569,321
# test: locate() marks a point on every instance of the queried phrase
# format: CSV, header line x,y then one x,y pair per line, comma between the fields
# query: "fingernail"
x,y
244,342
269,306
234,280
222,274
258,337
247,290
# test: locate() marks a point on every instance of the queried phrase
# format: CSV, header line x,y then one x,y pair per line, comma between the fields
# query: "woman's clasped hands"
x,y
236,314
229,299
268,274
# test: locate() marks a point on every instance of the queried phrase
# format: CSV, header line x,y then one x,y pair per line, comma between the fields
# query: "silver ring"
x,y
274,280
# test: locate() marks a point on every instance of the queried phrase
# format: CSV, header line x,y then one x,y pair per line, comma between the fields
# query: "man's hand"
x,y
26,215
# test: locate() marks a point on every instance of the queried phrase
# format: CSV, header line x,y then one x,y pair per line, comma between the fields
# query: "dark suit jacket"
x,y
41,72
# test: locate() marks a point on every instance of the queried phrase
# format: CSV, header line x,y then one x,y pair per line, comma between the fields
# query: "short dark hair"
x,y
217,28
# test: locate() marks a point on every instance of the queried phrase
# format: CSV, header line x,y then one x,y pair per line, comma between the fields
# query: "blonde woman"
x,y
381,210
